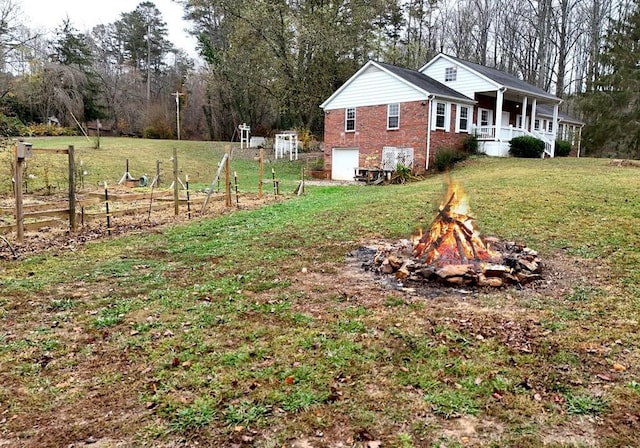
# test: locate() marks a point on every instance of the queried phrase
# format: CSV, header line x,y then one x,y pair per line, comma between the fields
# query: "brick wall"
x,y
371,134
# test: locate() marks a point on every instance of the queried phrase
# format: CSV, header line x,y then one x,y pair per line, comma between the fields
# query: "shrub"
x,y
402,175
158,130
47,130
563,148
526,146
447,157
470,144
11,126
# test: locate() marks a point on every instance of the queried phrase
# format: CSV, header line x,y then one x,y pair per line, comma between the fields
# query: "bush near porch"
x,y
563,148
526,147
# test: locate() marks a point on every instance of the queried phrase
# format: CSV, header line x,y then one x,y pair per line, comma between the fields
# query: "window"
x,y
350,119
393,116
441,115
550,126
463,119
450,74
536,124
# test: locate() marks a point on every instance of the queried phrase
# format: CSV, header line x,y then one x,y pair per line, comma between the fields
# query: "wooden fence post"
x,y
19,168
260,173
227,178
72,190
176,203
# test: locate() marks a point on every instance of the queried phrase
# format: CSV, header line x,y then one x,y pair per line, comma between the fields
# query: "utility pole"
x,y
178,94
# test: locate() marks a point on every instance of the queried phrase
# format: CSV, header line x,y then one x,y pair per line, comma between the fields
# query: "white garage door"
x,y
343,163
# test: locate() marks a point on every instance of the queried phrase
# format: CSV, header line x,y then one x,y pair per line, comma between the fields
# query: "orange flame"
x,y
452,238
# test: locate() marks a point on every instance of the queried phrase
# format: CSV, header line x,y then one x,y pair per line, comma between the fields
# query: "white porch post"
x,y
554,131
523,125
428,154
579,139
498,120
534,105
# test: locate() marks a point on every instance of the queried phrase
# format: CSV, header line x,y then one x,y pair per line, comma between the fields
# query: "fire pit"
x,y
453,253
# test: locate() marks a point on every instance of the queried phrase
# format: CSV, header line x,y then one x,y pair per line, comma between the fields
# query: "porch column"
x,y
554,131
523,125
579,139
498,120
534,105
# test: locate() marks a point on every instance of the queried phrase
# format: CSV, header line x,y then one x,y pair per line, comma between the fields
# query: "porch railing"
x,y
509,132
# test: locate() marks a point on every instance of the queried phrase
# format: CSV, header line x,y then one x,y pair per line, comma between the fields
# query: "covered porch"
x,y
506,113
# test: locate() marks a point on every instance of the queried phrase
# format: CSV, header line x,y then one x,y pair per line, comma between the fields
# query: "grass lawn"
x,y
197,160
253,329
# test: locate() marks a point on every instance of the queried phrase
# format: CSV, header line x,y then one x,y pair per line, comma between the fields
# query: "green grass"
x,y
210,330
584,404
197,160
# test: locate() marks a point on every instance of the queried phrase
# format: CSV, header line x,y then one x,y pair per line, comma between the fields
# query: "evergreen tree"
x,y
612,109
71,50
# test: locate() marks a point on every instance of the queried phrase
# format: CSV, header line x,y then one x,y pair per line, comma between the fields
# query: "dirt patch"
x,y
625,163
59,238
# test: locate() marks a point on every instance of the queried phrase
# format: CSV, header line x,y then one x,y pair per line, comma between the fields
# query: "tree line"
x,y
271,63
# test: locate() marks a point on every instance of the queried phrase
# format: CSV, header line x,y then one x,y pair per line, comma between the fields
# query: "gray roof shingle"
x,y
547,111
504,78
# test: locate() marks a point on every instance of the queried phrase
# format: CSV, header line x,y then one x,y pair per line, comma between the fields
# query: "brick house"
x,y
384,115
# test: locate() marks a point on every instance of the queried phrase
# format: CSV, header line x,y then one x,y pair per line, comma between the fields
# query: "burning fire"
x,y
452,238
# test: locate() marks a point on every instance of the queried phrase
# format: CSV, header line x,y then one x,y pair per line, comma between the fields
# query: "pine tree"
x,y
72,52
612,109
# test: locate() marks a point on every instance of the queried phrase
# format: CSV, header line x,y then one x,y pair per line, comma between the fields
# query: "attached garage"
x,y
344,161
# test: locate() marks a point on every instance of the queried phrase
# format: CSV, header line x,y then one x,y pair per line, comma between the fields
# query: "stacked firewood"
x,y
517,265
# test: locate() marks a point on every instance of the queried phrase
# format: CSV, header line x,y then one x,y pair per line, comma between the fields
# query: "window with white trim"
x,y
441,115
393,116
350,119
450,73
550,126
536,124
464,121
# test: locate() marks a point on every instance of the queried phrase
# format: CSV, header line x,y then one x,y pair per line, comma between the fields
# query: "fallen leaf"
x,y
478,381
374,444
175,362
289,380
619,367
603,377
186,364
537,397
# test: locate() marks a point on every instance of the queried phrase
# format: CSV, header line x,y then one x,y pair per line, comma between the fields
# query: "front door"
x,y
506,116
485,123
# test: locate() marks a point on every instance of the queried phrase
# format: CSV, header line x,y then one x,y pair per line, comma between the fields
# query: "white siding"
x,y
467,82
374,87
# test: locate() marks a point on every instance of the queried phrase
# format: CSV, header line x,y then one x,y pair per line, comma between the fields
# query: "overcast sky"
x,y
85,14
